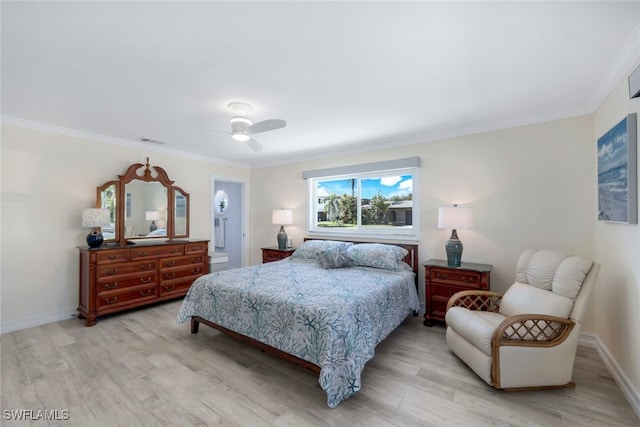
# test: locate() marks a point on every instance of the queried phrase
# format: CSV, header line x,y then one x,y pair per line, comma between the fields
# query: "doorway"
x,y
227,220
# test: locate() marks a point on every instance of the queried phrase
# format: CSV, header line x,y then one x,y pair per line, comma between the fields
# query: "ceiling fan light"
x,y
240,119
240,136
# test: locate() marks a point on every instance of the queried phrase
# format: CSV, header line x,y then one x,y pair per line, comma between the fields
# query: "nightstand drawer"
x,y
275,254
443,281
469,279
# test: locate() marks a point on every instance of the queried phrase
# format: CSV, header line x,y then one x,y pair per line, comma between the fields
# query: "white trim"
x,y
629,391
138,145
37,320
409,162
624,61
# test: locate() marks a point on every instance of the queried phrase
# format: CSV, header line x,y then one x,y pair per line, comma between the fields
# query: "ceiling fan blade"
x,y
254,145
266,125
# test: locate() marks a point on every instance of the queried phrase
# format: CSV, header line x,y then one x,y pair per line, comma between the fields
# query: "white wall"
x,y
530,186
46,180
617,247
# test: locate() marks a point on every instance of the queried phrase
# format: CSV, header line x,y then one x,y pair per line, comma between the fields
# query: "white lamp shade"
x,y
282,217
95,217
152,215
455,217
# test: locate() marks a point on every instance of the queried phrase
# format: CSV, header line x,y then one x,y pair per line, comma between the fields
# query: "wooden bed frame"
x,y
411,259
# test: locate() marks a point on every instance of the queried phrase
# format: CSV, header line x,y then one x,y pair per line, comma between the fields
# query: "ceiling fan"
x,y
242,128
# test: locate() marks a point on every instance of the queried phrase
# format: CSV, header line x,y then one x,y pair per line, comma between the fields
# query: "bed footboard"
x,y
195,323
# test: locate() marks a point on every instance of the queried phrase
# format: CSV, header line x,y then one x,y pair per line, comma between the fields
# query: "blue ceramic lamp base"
x,y
94,239
454,250
282,239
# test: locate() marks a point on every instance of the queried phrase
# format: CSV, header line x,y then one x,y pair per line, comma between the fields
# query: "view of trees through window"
x,y
385,201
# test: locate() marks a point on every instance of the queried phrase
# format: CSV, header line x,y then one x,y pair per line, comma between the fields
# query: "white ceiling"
x,y
346,76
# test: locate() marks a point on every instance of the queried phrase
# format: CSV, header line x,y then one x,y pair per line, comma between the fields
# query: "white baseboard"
x,y
30,322
628,389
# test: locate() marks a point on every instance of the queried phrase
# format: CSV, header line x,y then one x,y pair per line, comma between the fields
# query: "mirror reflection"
x,y
181,213
145,209
143,203
107,196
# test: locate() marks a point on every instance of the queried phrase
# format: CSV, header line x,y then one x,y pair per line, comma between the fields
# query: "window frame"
x,y
392,233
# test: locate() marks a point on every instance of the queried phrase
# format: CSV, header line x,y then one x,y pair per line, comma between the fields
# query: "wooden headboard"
x,y
411,258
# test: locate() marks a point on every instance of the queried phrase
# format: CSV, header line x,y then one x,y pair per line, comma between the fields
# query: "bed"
x,y
325,308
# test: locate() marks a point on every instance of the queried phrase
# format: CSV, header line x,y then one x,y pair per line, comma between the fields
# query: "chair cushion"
x,y
570,275
477,327
523,298
553,271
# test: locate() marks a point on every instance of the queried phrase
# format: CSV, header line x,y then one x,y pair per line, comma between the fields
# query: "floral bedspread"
x,y
333,318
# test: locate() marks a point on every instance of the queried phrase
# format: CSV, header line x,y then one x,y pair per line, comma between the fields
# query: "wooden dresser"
x,y
442,281
274,254
117,278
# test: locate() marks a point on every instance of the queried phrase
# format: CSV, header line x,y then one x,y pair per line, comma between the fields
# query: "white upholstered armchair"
x,y
526,338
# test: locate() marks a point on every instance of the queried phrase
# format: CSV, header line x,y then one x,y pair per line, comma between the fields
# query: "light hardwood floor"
x,y
140,368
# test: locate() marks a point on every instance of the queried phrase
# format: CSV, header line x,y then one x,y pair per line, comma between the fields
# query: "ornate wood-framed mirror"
x,y
144,204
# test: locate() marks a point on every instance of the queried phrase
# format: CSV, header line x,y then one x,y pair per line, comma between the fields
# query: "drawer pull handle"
x,y
174,251
195,271
169,275
146,293
467,279
146,266
169,263
169,288
142,253
112,256
111,301
196,259
111,272
441,276
145,279
108,286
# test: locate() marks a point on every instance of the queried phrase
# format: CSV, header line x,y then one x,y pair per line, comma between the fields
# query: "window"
x,y
376,202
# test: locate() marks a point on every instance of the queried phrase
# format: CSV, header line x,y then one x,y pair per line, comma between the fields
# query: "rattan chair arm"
x,y
476,300
532,330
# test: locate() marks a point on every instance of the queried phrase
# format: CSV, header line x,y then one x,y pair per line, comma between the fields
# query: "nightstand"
x,y
274,254
442,281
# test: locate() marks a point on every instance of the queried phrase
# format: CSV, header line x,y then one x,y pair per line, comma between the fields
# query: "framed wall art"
x,y
617,173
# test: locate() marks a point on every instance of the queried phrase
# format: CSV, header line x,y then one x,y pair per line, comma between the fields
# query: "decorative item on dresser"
x,y
273,253
116,278
442,281
95,218
122,275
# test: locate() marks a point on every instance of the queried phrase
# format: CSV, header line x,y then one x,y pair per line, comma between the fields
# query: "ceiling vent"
x,y
151,140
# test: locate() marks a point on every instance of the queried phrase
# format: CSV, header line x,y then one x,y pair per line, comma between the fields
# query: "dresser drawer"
x,y
195,248
112,257
180,273
156,252
170,263
120,282
114,299
468,279
122,269
181,286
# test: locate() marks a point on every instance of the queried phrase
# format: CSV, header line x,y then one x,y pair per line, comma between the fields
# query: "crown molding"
x,y
90,136
626,59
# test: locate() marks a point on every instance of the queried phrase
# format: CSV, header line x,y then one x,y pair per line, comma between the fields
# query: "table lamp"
x,y
454,217
95,218
282,217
